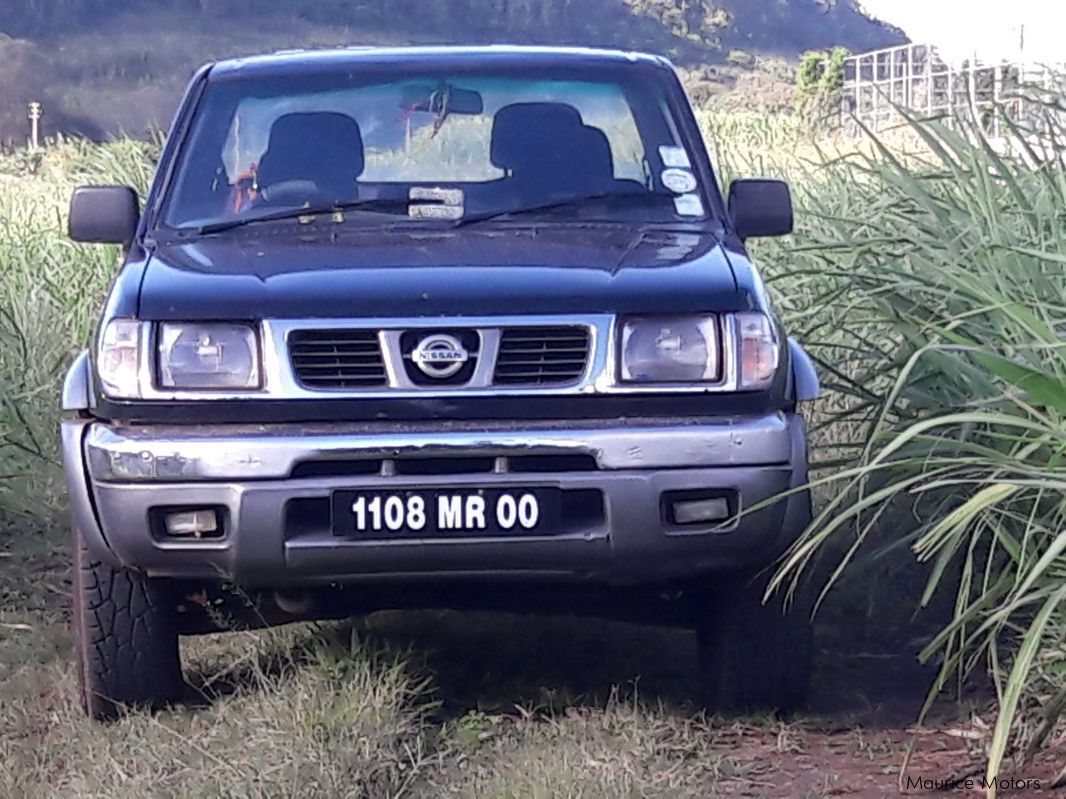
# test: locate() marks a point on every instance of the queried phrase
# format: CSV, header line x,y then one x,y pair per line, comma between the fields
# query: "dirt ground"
x,y
851,741
469,704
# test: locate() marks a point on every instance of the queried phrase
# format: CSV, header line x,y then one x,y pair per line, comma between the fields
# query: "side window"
x,y
249,131
246,141
416,148
627,149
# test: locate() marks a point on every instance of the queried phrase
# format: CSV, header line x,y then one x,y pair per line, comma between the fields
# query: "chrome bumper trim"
x,y
256,452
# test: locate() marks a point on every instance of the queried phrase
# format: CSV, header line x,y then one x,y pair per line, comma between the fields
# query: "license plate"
x,y
446,512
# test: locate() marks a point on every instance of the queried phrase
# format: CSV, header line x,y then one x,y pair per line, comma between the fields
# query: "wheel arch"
x,y
805,384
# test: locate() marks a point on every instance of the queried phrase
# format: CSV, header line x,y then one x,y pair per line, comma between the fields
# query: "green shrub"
x,y
819,79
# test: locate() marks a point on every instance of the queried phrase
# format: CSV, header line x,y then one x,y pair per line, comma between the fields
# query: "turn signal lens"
x,y
119,357
759,350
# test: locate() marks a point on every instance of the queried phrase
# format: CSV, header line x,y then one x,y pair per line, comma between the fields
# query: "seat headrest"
x,y
592,153
551,152
321,146
522,128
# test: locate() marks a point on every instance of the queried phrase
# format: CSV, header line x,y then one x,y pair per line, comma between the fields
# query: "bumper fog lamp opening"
x,y
191,523
701,511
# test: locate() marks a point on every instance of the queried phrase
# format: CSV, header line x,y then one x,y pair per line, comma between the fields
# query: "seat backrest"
x,y
549,152
323,147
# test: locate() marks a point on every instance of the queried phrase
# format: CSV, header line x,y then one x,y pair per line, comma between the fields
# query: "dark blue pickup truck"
x,y
435,327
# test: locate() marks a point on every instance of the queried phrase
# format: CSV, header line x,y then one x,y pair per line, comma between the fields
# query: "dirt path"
x,y
865,763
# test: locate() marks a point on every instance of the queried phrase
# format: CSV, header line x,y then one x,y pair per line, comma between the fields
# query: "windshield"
x,y
430,147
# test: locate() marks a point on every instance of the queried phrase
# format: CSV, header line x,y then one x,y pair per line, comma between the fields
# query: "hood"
x,y
404,273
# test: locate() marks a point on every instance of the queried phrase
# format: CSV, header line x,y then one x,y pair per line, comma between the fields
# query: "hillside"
x,y
104,66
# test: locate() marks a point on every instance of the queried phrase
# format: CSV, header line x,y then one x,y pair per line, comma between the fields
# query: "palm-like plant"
x,y
950,298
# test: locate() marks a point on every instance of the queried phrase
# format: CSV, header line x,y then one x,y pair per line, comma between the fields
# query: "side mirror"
x,y
104,214
760,208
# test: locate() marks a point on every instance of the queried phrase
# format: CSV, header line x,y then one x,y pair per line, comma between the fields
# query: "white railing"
x,y
916,78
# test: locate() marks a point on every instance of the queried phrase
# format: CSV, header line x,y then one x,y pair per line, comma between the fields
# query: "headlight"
x,y
208,356
670,350
759,350
119,358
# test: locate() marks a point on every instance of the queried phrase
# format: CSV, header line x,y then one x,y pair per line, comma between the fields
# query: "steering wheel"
x,y
289,192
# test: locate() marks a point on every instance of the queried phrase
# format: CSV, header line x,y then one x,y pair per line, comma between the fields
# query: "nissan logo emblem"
x,y
440,355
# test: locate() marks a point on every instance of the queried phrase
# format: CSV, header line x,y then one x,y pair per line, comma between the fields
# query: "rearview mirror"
x,y
104,214
441,98
760,208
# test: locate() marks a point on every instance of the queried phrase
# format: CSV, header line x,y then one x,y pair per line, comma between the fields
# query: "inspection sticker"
x,y
450,212
673,156
439,194
436,202
688,205
679,181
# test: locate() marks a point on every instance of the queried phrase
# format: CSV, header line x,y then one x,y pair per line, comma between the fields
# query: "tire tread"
x,y
125,636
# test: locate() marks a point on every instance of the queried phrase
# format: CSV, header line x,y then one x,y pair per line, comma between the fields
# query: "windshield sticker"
x,y
437,202
437,194
679,181
449,212
673,156
688,205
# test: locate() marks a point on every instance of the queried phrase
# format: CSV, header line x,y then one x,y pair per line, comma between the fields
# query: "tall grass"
x,y
50,295
937,280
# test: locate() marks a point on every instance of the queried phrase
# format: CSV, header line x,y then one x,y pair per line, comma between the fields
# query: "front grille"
x,y
539,356
339,359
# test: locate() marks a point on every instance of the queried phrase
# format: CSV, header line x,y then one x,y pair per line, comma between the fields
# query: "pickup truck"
x,y
451,327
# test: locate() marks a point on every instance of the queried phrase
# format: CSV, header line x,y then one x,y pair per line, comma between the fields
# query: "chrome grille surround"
x,y
600,375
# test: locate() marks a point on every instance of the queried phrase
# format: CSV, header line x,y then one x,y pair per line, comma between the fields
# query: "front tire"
x,y
125,638
753,656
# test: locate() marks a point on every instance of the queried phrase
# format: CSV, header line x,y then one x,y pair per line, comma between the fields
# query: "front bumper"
x,y
273,484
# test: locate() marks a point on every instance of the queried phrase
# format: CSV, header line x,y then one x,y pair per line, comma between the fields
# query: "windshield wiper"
x,y
394,205
623,198
385,204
